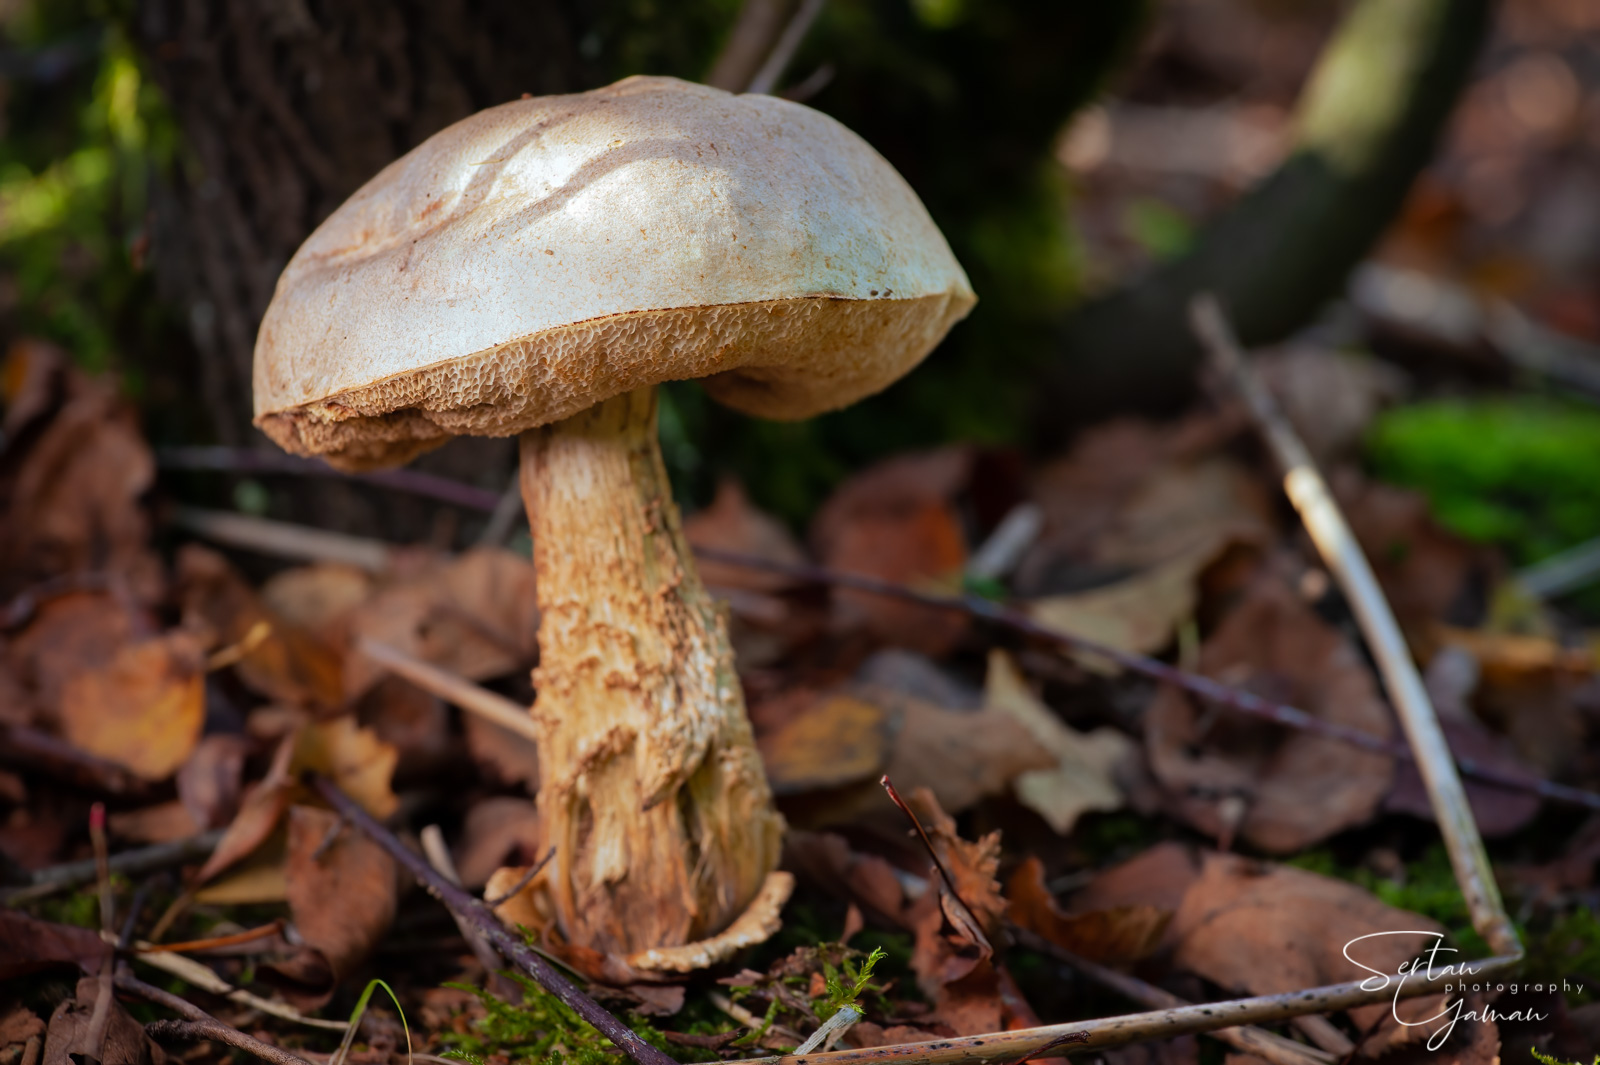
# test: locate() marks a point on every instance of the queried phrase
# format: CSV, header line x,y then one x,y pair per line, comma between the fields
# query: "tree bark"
x,y
286,108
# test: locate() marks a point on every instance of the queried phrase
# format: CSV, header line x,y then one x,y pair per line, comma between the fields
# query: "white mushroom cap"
x,y
548,254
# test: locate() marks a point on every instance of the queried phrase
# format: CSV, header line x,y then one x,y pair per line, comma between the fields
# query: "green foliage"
x,y
343,1053
1518,472
1568,950
1548,1059
845,984
81,147
540,1031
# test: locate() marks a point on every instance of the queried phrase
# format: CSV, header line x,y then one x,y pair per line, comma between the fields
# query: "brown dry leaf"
x,y
839,739
342,894
260,809
896,522
1114,936
316,598
475,615
19,1026
1139,614
144,709
414,722
1330,396
73,506
1184,1050
1157,878
1423,569
290,664
69,635
1282,790
733,523
961,756
1185,509
498,831
29,381
1257,928
161,823
1084,777
29,945
360,763
509,757
865,879
125,1041
210,782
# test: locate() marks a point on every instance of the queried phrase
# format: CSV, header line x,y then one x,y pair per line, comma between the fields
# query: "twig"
x,y
509,715
757,27
248,460
830,1031
1212,691
938,863
766,79
1566,572
192,972
282,539
197,1023
266,931
94,1037
493,930
42,753
527,878
433,846
1136,1027
507,509
1343,556
129,863
1268,1046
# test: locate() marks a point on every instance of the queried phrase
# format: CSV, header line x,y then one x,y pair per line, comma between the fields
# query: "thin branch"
x,y
197,1023
42,753
766,78
1045,1041
452,688
131,863
1212,691
1268,1046
527,878
249,460
1343,556
283,539
481,917
759,25
438,854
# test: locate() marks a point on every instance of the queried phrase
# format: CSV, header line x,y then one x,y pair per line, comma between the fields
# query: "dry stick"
x,y
1268,1046
452,688
250,935
192,972
247,460
42,753
493,930
1344,558
94,1037
433,846
283,539
1212,691
197,1023
527,878
766,79
132,863
1045,1041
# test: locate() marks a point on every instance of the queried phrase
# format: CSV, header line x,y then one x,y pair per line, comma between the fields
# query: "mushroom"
x,y
538,268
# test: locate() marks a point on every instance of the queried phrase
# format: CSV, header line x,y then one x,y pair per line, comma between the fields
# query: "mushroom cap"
x,y
547,254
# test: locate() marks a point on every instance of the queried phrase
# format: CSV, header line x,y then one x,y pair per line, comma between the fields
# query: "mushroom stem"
x,y
652,791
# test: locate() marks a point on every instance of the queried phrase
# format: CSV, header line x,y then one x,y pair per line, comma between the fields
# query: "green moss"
x,y
1518,472
543,1031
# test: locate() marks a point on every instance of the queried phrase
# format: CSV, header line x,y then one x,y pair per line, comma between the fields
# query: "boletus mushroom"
x,y
537,269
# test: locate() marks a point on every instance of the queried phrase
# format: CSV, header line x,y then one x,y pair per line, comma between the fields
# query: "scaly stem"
x,y
651,789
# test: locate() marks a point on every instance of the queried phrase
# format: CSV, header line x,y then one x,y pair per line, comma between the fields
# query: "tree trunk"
x,y
286,108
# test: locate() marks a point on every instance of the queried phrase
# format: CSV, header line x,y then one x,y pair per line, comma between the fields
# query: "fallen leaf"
x,y
1184,1050
1279,789
733,523
1083,778
260,808
125,1041
1426,573
210,782
342,894
69,635
500,830
19,1026
896,522
73,505
1330,396
29,945
1114,936
30,379
507,756
144,709
865,879
961,756
360,763
475,615
161,823
414,722
1259,929
1187,509
1139,614
289,664
838,740
316,598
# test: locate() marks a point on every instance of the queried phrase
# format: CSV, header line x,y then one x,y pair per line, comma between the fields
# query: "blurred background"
x,y
1416,180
